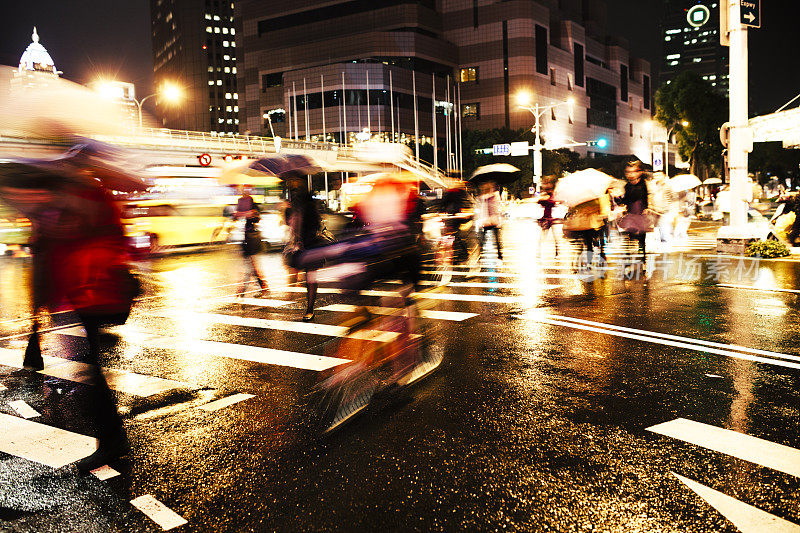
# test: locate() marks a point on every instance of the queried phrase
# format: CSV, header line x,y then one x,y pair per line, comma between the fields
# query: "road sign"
x,y
519,148
501,149
698,15
204,159
750,13
658,158
531,190
537,164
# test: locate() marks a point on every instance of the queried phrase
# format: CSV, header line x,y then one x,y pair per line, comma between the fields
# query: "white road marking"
x,y
104,472
158,512
260,302
488,298
216,405
751,288
468,274
658,338
424,313
287,325
3,387
23,409
759,451
43,444
746,518
713,376
478,285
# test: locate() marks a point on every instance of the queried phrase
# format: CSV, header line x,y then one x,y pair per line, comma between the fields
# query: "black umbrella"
x,y
500,173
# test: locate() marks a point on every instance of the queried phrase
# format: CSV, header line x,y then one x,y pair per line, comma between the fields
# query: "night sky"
x,y
92,38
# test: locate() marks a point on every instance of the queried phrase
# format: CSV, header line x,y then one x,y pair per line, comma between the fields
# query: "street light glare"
x,y
685,123
571,101
171,92
524,98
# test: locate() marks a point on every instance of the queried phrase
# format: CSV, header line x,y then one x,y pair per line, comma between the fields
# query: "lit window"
x,y
225,43
216,17
225,30
233,44
235,96
219,82
236,109
228,108
230,121
670,32
667,38
698,59
221,120
468,74
211,69
209,29
673,56
233,70
673,63
226,57
211,82
208,17
216,30
471,110
227,69
227,96
236,121
233,32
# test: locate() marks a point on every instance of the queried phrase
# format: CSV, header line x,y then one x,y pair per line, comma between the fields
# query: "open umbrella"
x,y
712,181
268,171
684,182
501,173
583,186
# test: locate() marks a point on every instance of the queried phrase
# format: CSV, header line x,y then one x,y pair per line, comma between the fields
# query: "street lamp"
x,y
524,101
169,92
268,115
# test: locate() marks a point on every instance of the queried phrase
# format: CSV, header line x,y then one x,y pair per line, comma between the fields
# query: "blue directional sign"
x,y
501,149
750,13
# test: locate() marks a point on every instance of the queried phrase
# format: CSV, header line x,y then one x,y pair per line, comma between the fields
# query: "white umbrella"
x,y
684,182
583,186
40,105
712,181
502,173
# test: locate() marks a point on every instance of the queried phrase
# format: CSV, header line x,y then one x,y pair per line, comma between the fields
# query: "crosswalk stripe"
x,y
488,298
746,518
467,273
158,512
23,409
474,284
41,443
424,313
759,451
104,472
118,380
216,405
286,325
261,302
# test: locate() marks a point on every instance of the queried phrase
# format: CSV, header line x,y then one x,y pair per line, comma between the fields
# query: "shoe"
x,y
105,453
308,317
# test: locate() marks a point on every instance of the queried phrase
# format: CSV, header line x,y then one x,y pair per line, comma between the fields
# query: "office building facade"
x,y
489,51
690,37
194,47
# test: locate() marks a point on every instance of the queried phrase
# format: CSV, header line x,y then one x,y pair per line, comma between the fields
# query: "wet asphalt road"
x,y
537,419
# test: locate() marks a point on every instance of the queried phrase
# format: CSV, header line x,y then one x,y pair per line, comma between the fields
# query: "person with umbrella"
x,y
304,223
80,262
488,207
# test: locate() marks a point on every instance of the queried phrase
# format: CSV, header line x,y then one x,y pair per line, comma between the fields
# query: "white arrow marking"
x,y
747,518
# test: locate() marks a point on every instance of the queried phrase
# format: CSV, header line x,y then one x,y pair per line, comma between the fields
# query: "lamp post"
x,y
169,92
268,115
523,100
684,124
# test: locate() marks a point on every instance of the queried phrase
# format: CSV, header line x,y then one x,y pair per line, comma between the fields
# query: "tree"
x,y
691,98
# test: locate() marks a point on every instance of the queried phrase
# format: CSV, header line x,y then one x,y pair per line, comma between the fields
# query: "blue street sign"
x,y
501,149
750,13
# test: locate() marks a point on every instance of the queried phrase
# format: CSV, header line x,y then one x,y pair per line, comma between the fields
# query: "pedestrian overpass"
x,y
781,126
148,147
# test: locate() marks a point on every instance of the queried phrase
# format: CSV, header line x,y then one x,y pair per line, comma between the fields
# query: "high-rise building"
x,y
194,47
690,36
296,59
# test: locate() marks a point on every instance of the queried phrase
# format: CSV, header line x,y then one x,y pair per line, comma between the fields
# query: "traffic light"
x,y
602,142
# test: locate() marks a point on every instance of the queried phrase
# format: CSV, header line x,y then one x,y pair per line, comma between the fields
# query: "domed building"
x,y
36,59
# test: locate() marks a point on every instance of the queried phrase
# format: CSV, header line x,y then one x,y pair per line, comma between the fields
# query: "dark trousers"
x,y
102,409
640,238
496,239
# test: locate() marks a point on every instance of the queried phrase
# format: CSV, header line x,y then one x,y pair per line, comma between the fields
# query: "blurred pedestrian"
x,y
304,223
80,261
248,209
635,223
488,215
547,219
